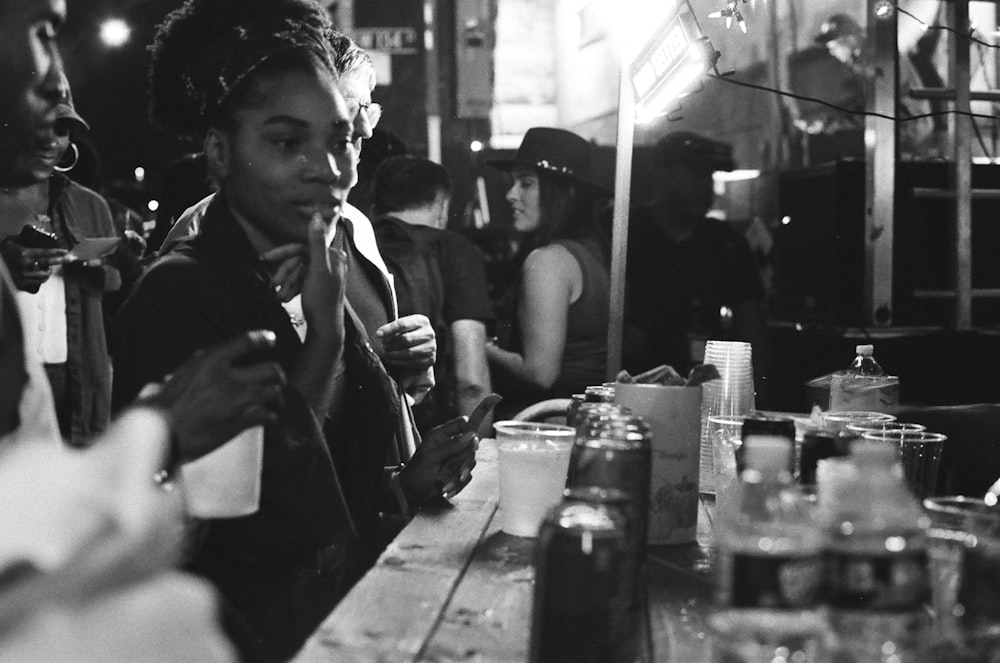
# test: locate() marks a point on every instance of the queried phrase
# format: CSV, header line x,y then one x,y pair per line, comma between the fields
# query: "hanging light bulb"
x,y
731,12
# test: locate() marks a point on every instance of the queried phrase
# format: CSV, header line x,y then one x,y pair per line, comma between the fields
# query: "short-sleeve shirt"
x,y
440,274
676,287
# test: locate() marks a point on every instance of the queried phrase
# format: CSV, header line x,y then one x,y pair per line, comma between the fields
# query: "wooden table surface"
x,y
452,587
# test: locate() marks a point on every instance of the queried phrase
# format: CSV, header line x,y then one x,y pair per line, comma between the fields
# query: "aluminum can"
x,y
615,452
582,585
818,444
586,411
599,394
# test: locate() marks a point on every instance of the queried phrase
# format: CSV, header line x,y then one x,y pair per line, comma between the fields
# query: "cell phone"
x,y
482,411
33,237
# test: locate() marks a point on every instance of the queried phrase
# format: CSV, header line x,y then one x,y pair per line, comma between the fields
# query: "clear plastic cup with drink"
x,y
919,455
534,461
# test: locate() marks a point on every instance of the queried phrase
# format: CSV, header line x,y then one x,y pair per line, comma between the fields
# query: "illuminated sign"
x,y
398,41
669,64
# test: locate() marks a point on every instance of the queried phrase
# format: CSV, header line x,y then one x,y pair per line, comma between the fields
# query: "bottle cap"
x,y
866,350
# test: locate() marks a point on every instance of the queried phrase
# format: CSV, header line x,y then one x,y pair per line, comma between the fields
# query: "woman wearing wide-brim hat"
x,y
554,329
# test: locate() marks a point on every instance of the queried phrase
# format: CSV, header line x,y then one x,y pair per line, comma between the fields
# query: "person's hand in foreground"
x,y
442,464
220,391
77,523
409,343
29,268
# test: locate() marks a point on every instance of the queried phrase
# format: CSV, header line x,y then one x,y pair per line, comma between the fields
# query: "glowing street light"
x,y
115,32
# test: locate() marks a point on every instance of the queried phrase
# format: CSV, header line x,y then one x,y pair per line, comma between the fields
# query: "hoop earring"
x,y
76,159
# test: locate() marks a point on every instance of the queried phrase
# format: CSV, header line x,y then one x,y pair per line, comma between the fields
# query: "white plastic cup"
x,y
919,456
725,434
226,482
534,462
835,422
731,395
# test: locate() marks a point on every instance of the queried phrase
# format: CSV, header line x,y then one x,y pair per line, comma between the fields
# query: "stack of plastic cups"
x,y
731,395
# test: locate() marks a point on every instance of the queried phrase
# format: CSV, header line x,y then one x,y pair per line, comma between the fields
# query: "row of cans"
x,y
590,601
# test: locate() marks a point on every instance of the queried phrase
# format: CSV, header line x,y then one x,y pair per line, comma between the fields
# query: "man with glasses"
x,y
357,81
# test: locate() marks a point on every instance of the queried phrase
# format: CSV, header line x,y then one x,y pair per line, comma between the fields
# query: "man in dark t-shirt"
x,y
690,278
437,273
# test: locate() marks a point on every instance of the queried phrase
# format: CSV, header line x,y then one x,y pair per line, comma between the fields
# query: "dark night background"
x,y
109,88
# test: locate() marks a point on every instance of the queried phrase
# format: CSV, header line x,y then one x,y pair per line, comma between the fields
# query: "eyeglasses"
x,y
372,110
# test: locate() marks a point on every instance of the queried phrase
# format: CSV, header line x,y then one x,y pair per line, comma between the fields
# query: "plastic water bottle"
x,y
863,386
770,561
878,578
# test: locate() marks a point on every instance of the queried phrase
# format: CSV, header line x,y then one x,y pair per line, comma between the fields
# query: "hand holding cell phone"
x,y
444,460
30,256
33,237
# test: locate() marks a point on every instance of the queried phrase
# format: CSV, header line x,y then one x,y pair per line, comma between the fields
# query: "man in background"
x,y
690,277
437,273
919,137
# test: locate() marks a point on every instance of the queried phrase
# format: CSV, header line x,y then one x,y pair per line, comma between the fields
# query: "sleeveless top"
x,y
584,359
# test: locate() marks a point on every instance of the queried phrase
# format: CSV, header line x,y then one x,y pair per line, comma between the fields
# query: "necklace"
x,y
41,218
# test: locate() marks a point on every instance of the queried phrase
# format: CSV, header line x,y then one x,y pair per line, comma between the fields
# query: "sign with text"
x,y
669,60
396,41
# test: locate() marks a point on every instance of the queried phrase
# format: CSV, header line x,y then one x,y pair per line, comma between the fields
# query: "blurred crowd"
x,y
269,334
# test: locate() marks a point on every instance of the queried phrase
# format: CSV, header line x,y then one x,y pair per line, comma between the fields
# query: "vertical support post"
x,y
880,164
779,118
961,167
433,101
619,237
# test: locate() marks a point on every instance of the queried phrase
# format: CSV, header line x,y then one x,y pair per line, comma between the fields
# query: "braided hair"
x,y
205,51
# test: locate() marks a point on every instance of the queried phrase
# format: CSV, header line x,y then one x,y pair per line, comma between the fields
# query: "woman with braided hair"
x,y
255,81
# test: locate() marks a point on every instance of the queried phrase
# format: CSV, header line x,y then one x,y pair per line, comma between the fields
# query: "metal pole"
x,y
619,238
880,165
962,169
433,102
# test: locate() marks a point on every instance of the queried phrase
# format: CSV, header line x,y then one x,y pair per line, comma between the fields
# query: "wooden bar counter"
x,y
452,587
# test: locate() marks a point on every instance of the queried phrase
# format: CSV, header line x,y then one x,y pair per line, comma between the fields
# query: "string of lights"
x,y
851,111
970,35
730,13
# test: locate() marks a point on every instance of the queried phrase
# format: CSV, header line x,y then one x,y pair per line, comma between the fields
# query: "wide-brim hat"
x,y
555,153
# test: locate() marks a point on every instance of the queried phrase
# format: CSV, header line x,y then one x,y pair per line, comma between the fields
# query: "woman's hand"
x,y
409,344
324,284
442,464
29,268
